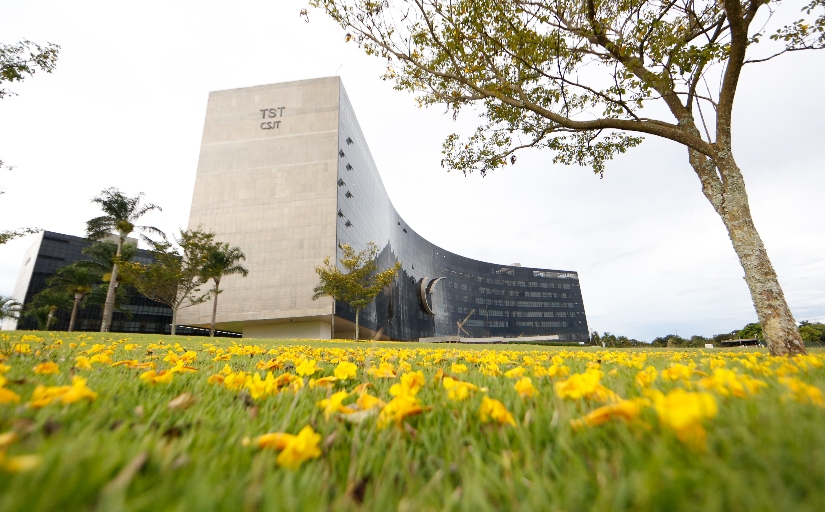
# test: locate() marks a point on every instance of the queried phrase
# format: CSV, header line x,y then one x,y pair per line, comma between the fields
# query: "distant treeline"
x,y
812,333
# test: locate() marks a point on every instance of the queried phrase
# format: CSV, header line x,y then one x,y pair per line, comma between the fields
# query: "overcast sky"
x,y
126,105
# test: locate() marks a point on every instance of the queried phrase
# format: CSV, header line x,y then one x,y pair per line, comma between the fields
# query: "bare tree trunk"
x,y
357,311
50,316
216,291
726,192
109,305
175,318
77,297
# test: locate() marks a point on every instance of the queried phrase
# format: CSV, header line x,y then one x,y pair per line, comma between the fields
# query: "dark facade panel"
x,y
147,316
437,288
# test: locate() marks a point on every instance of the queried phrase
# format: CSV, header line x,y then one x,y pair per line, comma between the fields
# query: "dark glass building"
x,y
51,251
436,288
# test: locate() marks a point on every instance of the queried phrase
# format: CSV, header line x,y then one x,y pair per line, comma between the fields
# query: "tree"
x,y
572,76
45,304
17,61
360,284
9,308
751,331
77,281
221,260
812,332
120,214
175,277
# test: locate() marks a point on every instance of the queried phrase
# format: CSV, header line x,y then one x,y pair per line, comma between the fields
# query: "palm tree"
x,y
121,213
45,304
9,308
221,260
77,280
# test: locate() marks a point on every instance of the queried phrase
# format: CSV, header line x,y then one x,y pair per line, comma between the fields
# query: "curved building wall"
x,y
509,301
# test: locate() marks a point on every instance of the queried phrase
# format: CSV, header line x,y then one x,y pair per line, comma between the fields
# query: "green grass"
x,y
764,452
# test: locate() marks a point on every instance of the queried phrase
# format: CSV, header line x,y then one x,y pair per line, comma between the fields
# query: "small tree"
x,y
120,214
9,308
176,277
221,260
76,280
45,304
360,284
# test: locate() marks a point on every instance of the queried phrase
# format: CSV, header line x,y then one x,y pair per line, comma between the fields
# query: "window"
x,y
348,167
341,182
348,195
348,224
341,153
555,275
349,141
340,213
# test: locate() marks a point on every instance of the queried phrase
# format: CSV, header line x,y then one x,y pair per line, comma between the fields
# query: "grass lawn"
x,y
139,422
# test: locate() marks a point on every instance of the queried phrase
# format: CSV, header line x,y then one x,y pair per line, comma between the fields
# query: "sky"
x,y
125,107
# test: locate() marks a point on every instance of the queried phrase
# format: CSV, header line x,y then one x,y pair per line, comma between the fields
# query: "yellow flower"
x,y
677,372
46,368
366,401
294,449
458,368
334,404
404,366
683,411
585,385
361,388
20,463
100,358
345,370
8,396
525,388
78,391
4,367
180,368
276,440
322,382
490,369
130,346
728,382
215,379
456,389
515,373
7,439
493,410
302,447
801,392
153,377
647,376
384,371
307,367
22,348
626,410
399,408
44,395
411,384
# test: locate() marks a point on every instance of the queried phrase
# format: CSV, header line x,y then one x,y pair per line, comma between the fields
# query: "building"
x,y
285,174
49,252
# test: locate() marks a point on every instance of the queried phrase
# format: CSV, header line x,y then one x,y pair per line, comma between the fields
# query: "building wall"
x,y
266,183
24,277
289,185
